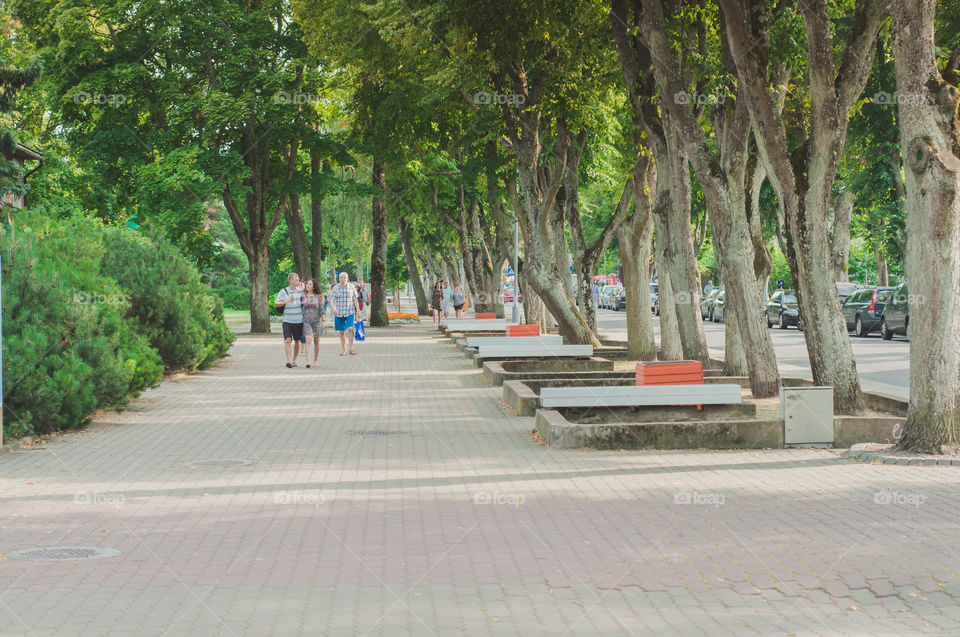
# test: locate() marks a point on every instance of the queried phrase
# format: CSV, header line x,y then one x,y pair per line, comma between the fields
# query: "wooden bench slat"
x,y
523,330
645,395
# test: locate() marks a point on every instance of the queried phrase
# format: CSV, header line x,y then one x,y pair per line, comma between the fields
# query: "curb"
x,y
878,457
17,444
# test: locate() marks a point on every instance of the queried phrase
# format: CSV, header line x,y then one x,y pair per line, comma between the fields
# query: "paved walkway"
x,y
394,494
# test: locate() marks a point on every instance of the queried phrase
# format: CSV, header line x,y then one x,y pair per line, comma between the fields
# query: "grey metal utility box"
x,y
807,414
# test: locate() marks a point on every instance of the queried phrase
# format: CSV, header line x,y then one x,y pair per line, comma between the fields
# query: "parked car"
x,y
845,289
718,307
782,308
620,301
608,294
508,295
896,314
706,303
863,309
654,295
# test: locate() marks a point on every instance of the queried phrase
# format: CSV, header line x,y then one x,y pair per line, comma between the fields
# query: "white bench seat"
x,y
533,350
479,325
640,396
477,341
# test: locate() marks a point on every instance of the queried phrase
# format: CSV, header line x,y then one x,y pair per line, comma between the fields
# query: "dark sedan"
x,y
896,314
782,309
863,309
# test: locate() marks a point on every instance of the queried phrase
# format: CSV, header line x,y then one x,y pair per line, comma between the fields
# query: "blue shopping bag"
x,y
359,335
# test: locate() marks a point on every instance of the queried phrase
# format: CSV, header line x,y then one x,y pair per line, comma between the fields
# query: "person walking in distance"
x,y
436,301
447,293
458,298
290,299
345,306
313,318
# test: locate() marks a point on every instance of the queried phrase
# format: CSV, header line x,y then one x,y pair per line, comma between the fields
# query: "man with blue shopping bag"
x,y
345,306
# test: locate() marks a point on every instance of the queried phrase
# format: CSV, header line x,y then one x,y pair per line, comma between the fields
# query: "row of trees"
x,y
652,124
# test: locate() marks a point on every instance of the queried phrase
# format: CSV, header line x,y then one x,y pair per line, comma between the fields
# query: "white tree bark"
x,y
928,108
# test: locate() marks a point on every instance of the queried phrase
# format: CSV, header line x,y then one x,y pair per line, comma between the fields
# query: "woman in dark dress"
x,y
436,303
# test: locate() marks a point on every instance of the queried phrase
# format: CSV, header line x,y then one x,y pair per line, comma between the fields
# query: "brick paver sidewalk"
x,y
393,494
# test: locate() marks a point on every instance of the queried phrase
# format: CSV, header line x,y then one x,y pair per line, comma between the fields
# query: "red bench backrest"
x,y
486,315
523,330
670,373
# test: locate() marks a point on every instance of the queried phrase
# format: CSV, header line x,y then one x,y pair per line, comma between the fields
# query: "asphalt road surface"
x,y
883,365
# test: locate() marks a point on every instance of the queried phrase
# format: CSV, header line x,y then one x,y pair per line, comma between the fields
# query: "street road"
x,y
883,365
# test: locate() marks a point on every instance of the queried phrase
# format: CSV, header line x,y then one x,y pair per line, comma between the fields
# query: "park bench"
x,y
670,373
510,341
485,315
640,396
533,350
523,330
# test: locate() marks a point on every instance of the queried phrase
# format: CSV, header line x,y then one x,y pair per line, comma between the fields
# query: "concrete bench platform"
x,y
742,433
629,396
482,325
496,372
522,350
509,341
523,396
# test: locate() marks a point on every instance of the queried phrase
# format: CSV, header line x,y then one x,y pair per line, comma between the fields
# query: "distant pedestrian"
x,y
458,298
314,320
361,299
290,299
447,294
436,303
345,306
708,288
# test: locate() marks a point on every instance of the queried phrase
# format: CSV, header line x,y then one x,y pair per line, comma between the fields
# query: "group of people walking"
x,y
304,315
441,300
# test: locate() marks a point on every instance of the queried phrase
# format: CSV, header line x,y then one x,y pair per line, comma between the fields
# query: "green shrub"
x,y
68,348
181,318
234,298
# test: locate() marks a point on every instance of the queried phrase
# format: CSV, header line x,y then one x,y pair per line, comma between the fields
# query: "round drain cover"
x,y
219,462
63,553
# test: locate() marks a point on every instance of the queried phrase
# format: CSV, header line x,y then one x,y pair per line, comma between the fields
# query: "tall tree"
x,y
929,117
722,173
676,258
802,173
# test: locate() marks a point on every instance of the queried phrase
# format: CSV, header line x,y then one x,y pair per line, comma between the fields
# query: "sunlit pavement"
x,y
393,493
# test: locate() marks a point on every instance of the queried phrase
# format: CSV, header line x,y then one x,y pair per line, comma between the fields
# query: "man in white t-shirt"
x,y
290,299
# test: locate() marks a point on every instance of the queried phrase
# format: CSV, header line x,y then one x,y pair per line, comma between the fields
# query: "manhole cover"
x,y
63,553
373,432
219,462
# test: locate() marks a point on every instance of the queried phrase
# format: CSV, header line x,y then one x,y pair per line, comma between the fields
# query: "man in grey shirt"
x,y
290,299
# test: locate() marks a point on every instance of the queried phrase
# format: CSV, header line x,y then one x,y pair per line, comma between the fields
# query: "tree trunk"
x,y
670,347
298,236
378,260
840,236
635,237
929,134
803,176
259,264
412,271
883,274
681,260
316,220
